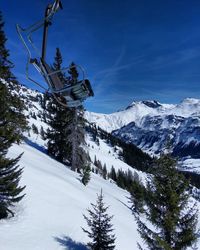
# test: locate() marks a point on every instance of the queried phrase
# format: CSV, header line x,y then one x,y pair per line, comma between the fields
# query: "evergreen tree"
x,y
95,160
137,194
73,73
13,121
57,65
10,132
35,129
10,191
85,175
42,133
33,115
100,226
66,134
58,145
11,103
128,179
76,138
12,125
121,179
104,172
58,118
167,209
112,174
5,63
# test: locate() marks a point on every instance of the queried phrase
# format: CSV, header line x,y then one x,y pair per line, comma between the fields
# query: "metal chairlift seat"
x,y
73,92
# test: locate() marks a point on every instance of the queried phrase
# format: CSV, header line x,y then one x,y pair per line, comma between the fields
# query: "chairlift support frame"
x,y
75,93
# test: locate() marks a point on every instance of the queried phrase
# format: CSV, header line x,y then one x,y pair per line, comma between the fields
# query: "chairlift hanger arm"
x,y
72,91
52,9
57,5
49,9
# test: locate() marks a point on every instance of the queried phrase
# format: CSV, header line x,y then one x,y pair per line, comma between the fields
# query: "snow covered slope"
x,y
50,216
54,205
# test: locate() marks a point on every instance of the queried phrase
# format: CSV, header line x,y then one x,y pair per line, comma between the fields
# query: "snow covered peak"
x,y
138,110
110,122
148,103
152,104
188,107
191,101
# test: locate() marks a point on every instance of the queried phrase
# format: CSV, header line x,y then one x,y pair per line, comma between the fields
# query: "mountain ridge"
x,y
137,110
151,125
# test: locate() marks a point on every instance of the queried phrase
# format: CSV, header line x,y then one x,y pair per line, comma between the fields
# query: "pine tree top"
x,y
100,226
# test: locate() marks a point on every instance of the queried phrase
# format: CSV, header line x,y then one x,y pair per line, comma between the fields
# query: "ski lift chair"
x,y
74,92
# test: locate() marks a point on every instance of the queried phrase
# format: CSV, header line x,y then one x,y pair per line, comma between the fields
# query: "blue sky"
x,y
131,50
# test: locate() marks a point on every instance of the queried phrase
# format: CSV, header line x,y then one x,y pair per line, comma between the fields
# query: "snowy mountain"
x,y
51,214
151,125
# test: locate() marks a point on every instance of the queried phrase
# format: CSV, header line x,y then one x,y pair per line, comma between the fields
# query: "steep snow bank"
x,y
54,203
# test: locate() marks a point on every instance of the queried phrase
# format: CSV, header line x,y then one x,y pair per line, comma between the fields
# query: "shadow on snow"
x,y
70,244
35,145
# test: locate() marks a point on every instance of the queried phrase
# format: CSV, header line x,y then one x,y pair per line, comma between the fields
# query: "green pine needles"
x,y
12,125
10,191
169,210
100,226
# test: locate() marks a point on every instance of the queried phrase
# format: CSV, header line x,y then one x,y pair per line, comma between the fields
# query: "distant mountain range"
x,y
155,127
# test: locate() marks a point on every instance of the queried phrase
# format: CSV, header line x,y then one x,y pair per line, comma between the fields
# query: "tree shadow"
x,y
35,145
124,203
70,244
